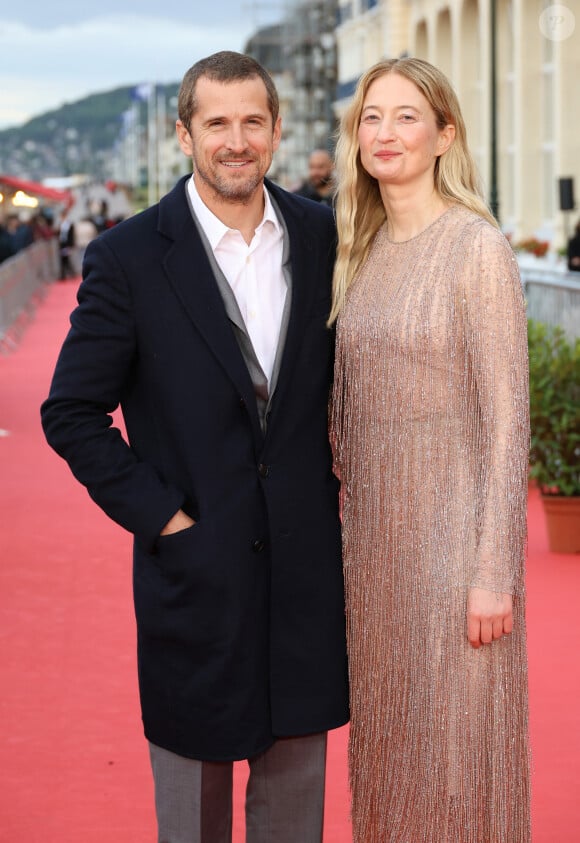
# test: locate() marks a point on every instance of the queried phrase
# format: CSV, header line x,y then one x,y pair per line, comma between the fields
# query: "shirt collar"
x,y
215,230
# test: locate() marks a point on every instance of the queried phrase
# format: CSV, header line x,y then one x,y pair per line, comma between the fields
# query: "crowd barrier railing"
x,y
553,297
23,282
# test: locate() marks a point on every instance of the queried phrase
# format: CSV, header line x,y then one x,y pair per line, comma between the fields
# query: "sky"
x,y
52,53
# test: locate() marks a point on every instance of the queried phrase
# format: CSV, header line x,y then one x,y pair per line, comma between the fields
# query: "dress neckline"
x,y
420,233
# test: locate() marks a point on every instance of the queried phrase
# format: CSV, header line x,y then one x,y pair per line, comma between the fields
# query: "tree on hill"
x,y
78,137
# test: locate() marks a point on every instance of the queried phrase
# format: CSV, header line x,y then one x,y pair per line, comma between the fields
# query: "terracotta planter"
x,y
563,522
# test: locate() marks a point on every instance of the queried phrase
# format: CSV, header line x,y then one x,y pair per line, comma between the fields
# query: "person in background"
x,y
85,231
574,250
204,317
41,227
430,420
320,183
66,244
100,218
7,248
20,229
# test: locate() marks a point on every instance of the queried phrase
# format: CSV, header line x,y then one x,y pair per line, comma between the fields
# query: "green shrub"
x,y
554,409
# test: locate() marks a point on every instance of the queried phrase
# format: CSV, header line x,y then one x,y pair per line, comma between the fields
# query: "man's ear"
x,y
184,138
277,136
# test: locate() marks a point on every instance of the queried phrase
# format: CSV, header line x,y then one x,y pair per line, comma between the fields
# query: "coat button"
x,y
258,545
263,470
242,403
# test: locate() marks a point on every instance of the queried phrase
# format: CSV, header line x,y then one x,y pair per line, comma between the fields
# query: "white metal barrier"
x,y
553,297
23,280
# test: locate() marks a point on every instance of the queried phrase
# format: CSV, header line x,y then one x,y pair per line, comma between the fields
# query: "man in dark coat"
x,y
66,243
7,247
204,318
319,186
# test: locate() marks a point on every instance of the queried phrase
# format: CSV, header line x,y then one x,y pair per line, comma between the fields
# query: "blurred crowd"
x,y
72,230
19,231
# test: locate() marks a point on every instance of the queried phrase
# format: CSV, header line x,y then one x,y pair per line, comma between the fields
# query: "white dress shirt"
x,y
254,272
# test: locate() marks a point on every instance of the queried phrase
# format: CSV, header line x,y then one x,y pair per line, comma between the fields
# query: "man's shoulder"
x,y
170,210
307,191
129,235
314,212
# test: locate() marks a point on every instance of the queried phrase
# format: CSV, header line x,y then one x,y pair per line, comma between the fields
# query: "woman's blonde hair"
x,y
359,208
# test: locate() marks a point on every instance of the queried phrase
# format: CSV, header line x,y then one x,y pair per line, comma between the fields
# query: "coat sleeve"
x,y
92,375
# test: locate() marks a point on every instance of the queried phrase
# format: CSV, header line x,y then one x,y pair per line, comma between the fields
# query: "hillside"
x,y
76,138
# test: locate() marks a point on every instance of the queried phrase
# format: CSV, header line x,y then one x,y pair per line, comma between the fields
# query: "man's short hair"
x,y
225,66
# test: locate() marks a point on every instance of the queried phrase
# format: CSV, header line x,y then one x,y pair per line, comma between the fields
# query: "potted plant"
x,y
555,431
534,246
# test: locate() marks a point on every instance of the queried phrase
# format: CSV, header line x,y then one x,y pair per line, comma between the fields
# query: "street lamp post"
x,y
494,197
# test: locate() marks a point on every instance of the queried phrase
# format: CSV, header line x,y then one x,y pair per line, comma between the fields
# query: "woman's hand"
x,y
489,616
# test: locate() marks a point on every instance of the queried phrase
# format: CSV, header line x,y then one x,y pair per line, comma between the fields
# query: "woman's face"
x,y
398,135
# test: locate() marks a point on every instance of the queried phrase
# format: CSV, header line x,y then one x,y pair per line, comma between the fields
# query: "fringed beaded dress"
x,y
430,424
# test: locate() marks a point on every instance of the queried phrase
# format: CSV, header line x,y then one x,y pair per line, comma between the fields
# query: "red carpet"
x,y
74,765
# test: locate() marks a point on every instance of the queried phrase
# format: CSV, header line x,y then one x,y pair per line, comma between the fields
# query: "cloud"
x,y
43,68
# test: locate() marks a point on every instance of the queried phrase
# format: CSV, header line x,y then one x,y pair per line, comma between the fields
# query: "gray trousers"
x,y
284,796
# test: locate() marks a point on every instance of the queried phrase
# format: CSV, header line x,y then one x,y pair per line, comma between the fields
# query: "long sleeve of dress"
x,y
496,344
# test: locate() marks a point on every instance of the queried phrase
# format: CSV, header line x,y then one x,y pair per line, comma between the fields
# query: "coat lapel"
x,y
191,277
303,267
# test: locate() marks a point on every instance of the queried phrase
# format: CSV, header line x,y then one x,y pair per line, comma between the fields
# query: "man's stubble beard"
x,y
230,192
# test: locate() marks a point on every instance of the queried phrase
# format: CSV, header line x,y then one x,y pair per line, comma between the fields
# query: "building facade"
x,y
267,47
536,64
367,31
300,54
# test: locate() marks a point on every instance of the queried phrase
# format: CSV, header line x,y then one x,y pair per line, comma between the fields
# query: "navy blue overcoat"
x,y
240,618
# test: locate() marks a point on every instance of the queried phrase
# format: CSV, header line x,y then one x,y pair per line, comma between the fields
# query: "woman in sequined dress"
x,y
430,424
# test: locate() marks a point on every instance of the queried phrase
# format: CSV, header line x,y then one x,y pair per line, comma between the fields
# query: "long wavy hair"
x,y
359,208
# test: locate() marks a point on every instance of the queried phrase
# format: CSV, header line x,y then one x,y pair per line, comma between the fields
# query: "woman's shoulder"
x,y
477,232
487,262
